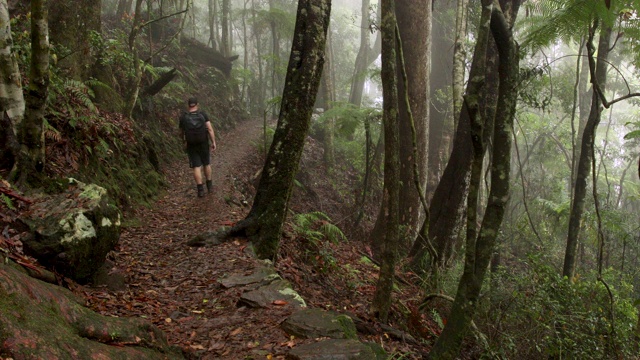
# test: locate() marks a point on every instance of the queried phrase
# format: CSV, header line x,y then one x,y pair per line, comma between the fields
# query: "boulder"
x,y
315,323
72,232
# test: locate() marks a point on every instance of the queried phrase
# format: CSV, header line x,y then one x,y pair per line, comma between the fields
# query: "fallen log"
x,y
205,55
159,84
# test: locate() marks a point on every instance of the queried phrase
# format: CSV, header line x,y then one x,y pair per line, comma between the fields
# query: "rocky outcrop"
x,y
73,231
44,321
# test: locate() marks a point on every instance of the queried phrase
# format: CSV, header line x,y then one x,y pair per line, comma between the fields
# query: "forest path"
x,y
175,286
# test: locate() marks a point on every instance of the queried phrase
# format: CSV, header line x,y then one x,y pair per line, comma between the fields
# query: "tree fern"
x,y
551,20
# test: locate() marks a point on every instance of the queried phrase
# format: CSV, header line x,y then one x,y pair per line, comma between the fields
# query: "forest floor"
x,y
176,286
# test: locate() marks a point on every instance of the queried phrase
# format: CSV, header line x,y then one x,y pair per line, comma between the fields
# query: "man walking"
x,y
197,134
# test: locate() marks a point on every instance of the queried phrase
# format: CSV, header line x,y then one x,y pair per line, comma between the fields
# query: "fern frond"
x,y
554,20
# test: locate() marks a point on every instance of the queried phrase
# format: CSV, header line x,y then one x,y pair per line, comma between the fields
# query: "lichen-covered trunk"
x,y
414,24
389,208
264,222
586,152
478,255
11,97
30,162
459,56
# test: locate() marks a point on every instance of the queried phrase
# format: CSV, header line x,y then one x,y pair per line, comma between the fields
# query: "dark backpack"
x,y
195,129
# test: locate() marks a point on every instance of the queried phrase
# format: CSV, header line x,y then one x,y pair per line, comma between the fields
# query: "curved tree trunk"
x,y
599,71
448,203
264,222
479,251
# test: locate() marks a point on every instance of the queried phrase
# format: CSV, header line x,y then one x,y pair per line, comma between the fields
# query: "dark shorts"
x,y
199,154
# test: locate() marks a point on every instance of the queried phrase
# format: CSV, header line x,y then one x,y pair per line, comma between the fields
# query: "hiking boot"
x,y
209,186
200,190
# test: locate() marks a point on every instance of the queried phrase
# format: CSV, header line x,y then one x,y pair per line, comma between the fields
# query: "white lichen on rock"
x,y
78,226
294,294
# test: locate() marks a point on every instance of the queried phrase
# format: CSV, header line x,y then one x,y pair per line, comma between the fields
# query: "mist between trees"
x,y
493,146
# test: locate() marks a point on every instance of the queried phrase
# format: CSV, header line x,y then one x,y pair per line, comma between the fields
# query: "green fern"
x,y
568,20
315,226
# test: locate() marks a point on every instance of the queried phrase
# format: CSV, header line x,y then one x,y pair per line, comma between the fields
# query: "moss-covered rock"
x,y
73,231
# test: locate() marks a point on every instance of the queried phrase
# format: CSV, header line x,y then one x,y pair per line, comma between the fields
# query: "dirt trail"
x,y
175,286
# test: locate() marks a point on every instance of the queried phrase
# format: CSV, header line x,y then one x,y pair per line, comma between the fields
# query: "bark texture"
x,y
389,208
31,159
264,222
414,24
12,103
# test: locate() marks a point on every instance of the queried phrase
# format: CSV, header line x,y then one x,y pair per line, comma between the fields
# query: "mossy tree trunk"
x,y
479,251
263,224
31,159
414,24
599,77
11,97
390,203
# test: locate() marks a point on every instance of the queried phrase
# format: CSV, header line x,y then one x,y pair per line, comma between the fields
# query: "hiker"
x,y
197,132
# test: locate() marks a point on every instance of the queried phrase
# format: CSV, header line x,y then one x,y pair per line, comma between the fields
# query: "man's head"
x,y
192,102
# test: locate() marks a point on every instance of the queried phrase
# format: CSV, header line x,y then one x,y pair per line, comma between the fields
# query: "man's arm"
x,y
212,135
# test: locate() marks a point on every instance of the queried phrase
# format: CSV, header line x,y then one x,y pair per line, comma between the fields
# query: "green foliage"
x,y
536,313
568,20
316,232
7,201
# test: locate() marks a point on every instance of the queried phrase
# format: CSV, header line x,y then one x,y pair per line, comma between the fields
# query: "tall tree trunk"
x,y
441,129
275,53
599,70
414,23
329,98
226,28
134,80
11,97
479,251
245,66
259,100
382,298
365,56
264,222
459,56
213,39
31,160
